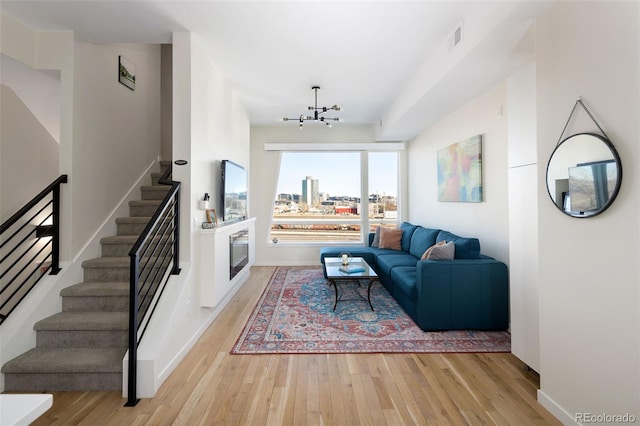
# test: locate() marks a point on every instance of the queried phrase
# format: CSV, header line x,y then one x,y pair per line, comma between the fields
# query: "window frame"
x,y
364,221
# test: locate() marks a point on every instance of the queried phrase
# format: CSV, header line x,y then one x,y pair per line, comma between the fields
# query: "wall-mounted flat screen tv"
x,y
233,192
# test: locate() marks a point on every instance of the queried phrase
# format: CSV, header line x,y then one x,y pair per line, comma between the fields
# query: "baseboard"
x,y
287,263
557,411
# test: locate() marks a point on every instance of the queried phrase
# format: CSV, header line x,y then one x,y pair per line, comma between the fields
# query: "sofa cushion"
x,y
466,248
375,251
404,278
442,251
386,262
390,238
428,251
421,240
376,237
407,232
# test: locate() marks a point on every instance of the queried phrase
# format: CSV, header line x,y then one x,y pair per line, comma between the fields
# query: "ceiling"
x,y
386,63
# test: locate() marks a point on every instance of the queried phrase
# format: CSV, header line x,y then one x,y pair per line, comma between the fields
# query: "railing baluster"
x,y
149,274
55,258
17,251
133,333
176,238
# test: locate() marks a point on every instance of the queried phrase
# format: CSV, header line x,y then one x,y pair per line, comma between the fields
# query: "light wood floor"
x,y
212,387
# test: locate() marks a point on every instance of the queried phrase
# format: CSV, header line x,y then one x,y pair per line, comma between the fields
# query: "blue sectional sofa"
x,y
470,292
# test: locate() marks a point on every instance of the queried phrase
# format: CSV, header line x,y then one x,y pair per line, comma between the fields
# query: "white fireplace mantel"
x,y
214,269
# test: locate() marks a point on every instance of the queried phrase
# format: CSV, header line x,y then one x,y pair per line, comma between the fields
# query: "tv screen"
x,y
234,191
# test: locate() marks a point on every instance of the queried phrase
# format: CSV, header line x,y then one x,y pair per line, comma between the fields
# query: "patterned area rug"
x,y
295,315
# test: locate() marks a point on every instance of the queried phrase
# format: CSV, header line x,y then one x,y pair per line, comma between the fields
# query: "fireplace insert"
x,y
238,251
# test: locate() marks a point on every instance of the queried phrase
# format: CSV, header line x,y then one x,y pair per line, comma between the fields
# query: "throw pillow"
x,y
430,249
443,252
390,238
376,237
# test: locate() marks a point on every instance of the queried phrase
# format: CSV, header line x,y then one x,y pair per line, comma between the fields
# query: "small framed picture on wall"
x,y
212,217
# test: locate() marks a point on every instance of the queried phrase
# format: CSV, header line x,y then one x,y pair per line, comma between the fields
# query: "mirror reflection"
x,y
584,175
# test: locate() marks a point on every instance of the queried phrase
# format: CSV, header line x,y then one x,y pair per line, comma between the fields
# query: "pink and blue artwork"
x,y
460,171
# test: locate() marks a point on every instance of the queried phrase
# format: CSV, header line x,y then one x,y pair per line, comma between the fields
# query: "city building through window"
x,y
319,196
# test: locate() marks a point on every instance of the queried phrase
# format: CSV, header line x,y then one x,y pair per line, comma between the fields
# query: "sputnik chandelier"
x,y
317,111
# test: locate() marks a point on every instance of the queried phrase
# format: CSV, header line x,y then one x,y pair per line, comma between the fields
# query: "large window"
x,y
319,196
383,189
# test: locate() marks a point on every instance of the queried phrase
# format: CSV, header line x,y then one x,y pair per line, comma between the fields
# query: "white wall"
x,y
219,131
523,216
116,130
488,220
589,276
50,51
209,125
30,132
263,182
39,90
28,154
166,80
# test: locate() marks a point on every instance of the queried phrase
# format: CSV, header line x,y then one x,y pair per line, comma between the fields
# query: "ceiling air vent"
x,y
456,37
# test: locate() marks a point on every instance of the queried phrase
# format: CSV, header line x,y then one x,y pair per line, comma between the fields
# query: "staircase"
x,y
82,347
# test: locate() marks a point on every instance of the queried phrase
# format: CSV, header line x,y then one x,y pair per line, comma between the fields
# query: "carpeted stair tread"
x,y
143,207
156,187
123,239
154,192
85,321
117,246
120,239
132,225
110,262
67,361
133,219
107,262
155,177
164,188
97,289
144,203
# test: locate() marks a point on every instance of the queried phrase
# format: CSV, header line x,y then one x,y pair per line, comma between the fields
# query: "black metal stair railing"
x,y
29,247
154,258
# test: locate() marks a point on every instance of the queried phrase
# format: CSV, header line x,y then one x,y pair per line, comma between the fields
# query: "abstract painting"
x,y
460,171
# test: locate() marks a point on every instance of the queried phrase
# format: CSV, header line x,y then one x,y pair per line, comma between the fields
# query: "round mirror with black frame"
x,y
584,174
